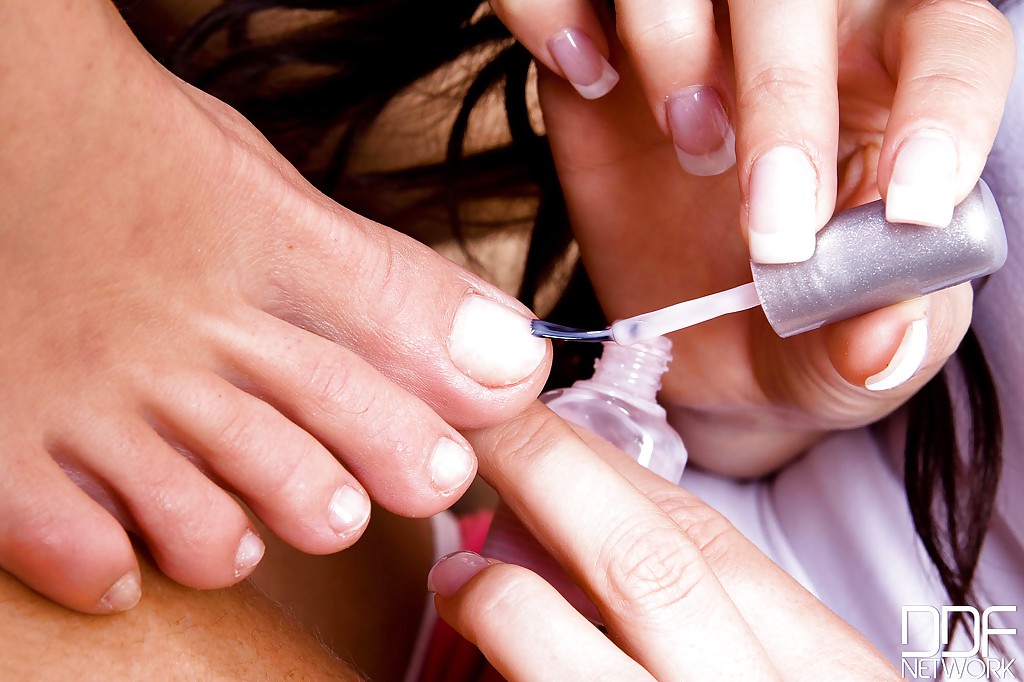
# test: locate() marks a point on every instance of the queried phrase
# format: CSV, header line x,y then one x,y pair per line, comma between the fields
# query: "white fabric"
x,y
837,519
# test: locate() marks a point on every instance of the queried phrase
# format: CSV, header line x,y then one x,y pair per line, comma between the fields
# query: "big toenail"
x,y
492,344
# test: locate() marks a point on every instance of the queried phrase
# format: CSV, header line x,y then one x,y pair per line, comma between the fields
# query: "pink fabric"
x,y
450,657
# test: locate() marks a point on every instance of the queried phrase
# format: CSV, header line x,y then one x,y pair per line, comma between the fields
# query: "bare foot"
x,y
183,318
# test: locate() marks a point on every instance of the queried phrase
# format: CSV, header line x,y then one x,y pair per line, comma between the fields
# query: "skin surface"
x,y
651,235
73,375
187,320
174,634
681,593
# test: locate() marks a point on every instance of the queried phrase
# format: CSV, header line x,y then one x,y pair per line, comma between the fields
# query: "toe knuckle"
x,y
43,535
235,434
332,386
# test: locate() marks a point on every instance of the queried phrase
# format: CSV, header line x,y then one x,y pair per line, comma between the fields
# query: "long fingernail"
x,y
250,551
122,595
451,465
582,64
906,361
704,139
921,187
453,571
783,194
348,510
493,344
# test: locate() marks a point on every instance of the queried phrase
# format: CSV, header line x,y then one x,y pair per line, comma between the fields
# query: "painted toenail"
x,y
349,510
492,344
250,551
451,465
122,595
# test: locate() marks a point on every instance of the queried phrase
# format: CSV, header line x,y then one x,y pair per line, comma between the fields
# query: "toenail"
x,y
250,551
122,595
349,510
451,465
492,344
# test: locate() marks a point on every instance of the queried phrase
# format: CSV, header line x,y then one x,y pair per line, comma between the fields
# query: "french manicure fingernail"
x,y
704,139
451,465
348,510
453,571
122,595
921,187
582,64
493,344
250,551
783,195
906,361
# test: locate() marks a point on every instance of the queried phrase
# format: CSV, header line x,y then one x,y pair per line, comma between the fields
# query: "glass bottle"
x,y
619,404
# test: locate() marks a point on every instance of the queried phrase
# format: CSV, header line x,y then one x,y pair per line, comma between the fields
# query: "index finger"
x,y
798,631
650,581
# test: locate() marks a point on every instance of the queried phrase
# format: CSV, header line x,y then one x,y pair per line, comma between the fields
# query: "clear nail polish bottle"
x,y
617,403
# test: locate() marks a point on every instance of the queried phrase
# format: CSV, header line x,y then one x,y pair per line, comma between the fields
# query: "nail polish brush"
x,y
861,263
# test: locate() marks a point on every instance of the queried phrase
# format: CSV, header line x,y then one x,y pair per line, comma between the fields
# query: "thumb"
x,y
859,370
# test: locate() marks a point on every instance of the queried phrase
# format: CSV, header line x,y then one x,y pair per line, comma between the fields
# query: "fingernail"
x,y
492,344
783,192
921,188
250,551
348,511
451,465
122,595
582,64
453,571
704,139
906,361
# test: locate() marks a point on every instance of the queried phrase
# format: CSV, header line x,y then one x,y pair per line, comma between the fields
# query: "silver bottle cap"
x,y
863,262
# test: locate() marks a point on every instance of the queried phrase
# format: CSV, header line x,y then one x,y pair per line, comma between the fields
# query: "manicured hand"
x,y
652,235
771,85
682,594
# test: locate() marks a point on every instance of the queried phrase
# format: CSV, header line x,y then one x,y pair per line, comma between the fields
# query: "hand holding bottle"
x,y
652,235
682,594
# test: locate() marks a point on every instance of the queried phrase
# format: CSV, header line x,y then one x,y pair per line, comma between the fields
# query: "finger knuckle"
x,y
668,30
530,437
651,569
977,22
784,87
713,535
503,592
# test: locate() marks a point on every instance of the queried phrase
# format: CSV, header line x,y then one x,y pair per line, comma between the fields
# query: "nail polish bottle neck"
x,y
632,373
